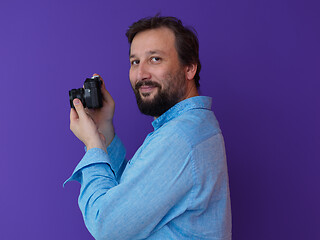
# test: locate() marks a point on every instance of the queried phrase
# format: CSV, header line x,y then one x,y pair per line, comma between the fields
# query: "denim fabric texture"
x,y
174,187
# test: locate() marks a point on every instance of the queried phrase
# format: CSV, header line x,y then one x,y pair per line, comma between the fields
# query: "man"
x,y
176,184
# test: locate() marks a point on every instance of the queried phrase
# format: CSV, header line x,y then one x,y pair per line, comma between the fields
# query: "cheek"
x,y
161,76
131,78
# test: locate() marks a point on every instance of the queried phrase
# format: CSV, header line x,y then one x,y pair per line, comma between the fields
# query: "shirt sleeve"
x,y
115,159
158,179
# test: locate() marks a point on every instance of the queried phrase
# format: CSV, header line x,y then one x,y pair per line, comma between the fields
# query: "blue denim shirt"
x,y
174,187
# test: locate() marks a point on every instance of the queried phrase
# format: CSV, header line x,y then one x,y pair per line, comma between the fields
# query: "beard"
x,y
174,91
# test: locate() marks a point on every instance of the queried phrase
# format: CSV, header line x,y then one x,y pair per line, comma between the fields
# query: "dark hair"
x,y
186,41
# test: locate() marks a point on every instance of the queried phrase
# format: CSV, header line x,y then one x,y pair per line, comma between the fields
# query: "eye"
x,y
155,59
135,62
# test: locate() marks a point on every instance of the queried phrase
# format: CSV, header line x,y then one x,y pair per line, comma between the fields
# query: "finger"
x,y
79,108
91,113
88,111
106,95
73,115
97,75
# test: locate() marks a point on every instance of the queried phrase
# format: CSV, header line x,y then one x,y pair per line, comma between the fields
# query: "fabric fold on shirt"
x,y
114,158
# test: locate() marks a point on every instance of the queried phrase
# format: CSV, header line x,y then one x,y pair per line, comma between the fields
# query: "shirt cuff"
x,y
93,156
114,158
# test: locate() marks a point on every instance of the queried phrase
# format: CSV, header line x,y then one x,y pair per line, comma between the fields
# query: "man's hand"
x,y
84,128
103,117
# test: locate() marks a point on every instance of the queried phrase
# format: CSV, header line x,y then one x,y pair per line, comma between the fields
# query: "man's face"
x,y
156,75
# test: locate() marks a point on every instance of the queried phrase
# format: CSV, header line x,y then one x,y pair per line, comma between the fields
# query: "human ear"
x,y
190,71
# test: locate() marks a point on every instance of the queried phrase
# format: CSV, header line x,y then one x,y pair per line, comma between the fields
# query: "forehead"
x,y
159,39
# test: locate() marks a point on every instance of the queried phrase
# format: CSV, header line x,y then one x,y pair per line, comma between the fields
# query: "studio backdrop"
x,y
260,64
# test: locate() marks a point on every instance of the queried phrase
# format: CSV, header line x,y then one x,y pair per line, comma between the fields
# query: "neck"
x,y
192,90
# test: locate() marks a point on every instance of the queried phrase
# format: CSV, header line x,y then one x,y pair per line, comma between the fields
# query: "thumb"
x,y
79,108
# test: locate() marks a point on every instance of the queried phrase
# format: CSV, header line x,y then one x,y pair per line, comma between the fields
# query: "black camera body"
x,y
90,95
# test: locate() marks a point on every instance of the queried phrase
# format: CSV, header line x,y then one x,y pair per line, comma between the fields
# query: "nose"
x,y
143,72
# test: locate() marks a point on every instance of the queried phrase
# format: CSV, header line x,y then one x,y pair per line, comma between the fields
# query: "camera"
x,y
90,95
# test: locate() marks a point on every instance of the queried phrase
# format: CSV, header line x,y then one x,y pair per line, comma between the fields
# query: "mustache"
x,y
146,83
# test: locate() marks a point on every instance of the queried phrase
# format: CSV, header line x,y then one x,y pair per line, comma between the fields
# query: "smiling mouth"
x,y
146,87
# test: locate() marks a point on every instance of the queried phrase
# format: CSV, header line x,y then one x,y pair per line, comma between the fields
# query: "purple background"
x,y
260,64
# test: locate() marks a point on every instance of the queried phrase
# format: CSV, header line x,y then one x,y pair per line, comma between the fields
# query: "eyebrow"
x,y
148,53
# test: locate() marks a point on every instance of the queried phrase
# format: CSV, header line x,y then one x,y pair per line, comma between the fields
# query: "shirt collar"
x,y
181,107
